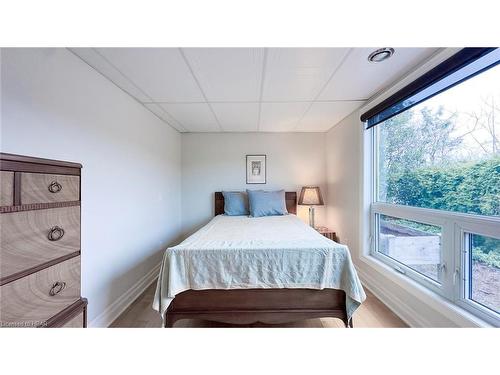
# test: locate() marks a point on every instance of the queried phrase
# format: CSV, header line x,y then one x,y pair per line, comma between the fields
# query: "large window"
x,y
435,213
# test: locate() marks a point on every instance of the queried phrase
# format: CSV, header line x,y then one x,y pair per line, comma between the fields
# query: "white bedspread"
x,y
232,252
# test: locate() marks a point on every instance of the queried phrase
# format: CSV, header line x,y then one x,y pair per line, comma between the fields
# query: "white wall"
x,y
343,155
216,161
55,106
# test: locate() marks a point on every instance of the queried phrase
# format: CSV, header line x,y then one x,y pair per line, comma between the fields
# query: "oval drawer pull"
x,y
57,288
55,187
55,233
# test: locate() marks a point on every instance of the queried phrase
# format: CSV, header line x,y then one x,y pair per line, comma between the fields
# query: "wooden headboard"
x,y
290,200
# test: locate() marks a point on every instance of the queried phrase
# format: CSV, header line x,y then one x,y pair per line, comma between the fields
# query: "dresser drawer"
x,y
30,238
6,188
49,188
33,299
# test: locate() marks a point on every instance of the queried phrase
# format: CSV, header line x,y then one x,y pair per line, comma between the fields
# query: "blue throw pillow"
x,y
235,203
266,203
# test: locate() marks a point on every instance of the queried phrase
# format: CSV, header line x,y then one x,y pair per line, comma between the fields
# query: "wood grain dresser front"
x,y
40,250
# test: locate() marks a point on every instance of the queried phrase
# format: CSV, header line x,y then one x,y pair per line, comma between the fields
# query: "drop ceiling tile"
x,y
194,117
299,73
292,79
161,73
237,117
99,63
161,113
323,115
358,78
227,74
281,117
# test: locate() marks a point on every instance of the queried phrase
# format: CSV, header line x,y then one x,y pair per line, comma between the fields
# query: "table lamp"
x,y
310,196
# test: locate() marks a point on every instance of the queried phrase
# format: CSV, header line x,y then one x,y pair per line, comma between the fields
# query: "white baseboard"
x,y
392,302
115,309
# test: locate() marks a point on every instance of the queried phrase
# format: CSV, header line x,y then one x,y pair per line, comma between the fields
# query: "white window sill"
x,y
455,314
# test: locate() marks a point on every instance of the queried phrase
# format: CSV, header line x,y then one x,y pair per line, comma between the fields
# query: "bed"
x,y
243,270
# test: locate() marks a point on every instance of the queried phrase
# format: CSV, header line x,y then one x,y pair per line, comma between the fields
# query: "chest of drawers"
x,y
40,252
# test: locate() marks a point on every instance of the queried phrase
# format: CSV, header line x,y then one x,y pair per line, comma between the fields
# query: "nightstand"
x,y
328,233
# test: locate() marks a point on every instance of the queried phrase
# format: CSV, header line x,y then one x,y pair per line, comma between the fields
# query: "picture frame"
x,y
256,169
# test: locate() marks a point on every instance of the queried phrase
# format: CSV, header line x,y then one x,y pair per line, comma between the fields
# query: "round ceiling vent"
x,y
380,55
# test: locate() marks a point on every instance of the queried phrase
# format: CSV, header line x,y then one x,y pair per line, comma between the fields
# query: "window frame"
x,y
401,213
370,269
454,225
462,297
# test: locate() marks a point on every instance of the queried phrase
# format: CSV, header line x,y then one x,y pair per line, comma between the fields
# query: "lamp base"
x,y
311,216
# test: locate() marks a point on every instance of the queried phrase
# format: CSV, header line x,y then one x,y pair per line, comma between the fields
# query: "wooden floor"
x,y
371,314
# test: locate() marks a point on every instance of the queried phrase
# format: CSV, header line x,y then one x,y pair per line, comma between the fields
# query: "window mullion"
x,y
449,249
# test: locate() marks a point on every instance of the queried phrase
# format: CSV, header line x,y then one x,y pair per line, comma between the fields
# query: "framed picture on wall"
x,y
256,169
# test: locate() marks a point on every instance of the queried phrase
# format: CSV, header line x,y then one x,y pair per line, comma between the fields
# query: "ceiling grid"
x,y
251,89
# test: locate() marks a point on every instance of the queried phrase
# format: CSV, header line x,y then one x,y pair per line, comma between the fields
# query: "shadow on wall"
x,y
186,232
119,294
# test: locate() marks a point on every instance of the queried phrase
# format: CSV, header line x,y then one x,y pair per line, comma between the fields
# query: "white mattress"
x,y
232,252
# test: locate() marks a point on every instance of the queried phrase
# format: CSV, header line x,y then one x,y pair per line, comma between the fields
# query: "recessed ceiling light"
x,y
380,55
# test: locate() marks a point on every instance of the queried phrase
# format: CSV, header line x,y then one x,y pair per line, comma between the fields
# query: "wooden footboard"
x,y
247,306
